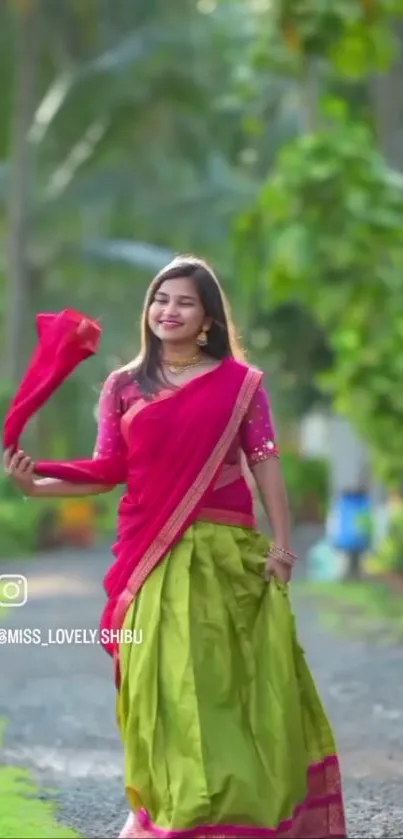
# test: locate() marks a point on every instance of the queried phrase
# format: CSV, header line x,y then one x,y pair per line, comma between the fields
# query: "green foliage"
x,y
307,486
19,526
327,228
140,146
22,521
106,520
354,35
135,151
332,214
26,809
390,552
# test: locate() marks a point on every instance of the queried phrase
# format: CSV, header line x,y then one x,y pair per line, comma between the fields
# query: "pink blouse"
x,y
256,438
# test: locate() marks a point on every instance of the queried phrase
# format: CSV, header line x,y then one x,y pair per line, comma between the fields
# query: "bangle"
x,y
284,550
275,549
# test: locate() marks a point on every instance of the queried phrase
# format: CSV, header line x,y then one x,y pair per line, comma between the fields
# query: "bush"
x,y
390,552
307,486
107,506
18,524
26,525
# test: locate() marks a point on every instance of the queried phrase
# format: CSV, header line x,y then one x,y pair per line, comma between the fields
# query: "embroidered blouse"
x,y
256,437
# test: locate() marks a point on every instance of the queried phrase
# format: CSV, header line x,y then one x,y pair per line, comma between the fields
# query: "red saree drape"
x,y
65,339
175,448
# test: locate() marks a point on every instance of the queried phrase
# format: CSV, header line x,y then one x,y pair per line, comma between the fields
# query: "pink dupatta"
x,y
65,340
176,447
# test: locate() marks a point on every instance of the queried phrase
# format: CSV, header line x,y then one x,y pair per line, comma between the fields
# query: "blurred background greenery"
x,y
264,135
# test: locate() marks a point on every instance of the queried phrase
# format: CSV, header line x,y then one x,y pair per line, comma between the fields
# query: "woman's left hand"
x,y
279,565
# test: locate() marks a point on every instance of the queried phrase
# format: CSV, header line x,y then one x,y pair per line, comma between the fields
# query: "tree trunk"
x,y
21,182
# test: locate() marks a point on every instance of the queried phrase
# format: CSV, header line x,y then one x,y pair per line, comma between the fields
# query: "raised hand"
x,y
20,467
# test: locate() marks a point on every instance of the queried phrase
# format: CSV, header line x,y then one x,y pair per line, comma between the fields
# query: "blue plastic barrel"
x,y
350,522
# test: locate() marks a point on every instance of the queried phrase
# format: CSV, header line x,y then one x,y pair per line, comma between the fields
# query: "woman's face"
x,y
176,313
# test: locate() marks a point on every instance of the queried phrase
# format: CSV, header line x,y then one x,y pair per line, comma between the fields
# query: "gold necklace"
x,y
177,367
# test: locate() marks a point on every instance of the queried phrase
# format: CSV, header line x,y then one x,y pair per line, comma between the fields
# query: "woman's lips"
x,y
170,324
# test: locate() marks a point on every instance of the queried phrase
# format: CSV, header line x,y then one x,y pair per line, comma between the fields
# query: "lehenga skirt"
x,y
223,729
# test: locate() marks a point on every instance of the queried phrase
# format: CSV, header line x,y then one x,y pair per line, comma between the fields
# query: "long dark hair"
x,y
221,338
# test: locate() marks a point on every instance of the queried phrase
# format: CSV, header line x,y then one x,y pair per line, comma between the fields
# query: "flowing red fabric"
x,y
65,340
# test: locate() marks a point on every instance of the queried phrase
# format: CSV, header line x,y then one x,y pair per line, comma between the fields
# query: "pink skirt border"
x,y
320,816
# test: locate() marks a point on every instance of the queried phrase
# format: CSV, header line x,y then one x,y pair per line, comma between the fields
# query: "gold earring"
x,y
202,338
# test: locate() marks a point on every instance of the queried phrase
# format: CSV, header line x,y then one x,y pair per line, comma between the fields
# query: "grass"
x,y
359,609
24,811
23,815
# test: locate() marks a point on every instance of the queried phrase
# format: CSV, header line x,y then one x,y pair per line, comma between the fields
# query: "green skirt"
x,y
219,716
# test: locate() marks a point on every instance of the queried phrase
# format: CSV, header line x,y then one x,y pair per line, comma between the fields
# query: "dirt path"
x,y
59,704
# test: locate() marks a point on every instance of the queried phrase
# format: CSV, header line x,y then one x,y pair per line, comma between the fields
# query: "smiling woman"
x,y
222,727
175,316
176,308
186,326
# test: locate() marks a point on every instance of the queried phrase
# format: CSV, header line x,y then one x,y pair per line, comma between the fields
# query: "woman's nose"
x,y
171,309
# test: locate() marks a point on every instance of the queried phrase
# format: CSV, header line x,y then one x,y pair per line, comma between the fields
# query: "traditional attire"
x,y
223,730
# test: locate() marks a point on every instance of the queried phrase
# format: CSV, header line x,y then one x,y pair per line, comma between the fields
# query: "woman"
x,y
222,727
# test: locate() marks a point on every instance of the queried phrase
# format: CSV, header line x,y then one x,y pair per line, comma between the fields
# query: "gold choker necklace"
x,y
179,366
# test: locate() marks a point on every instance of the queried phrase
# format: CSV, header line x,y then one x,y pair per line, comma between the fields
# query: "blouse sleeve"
x,y
109,439
258,433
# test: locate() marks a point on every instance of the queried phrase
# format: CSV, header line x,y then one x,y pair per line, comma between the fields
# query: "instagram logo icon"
x,y
13,590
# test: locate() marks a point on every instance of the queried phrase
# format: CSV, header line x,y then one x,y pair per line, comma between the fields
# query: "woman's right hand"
x,y
21,468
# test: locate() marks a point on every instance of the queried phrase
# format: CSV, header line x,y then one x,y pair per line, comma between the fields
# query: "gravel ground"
x,y
60,705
